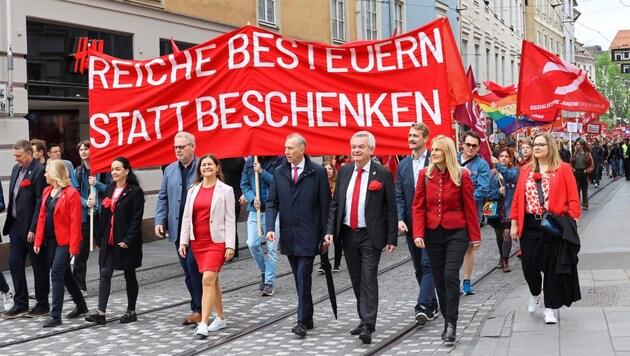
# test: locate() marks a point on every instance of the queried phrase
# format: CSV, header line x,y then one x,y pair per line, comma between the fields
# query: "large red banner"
x,y
242,93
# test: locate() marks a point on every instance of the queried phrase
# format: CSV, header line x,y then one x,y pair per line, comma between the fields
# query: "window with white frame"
x,y
338,13
464,52
267,12
398,16
370,19
477,54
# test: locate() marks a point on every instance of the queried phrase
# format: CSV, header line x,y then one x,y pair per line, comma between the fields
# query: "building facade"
x,y
50,101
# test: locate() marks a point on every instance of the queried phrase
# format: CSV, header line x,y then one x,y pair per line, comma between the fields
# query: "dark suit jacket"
x,y
127,228
303,208
380,206
406,189
28,200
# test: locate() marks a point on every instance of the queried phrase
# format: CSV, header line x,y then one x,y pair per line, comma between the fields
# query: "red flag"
x,y
175,48
390,162
548,83
469,114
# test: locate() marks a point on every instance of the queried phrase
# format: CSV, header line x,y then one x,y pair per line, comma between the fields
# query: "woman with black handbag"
x,y
554,179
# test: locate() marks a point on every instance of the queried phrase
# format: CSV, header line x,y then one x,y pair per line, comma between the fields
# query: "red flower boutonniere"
x,y
25,183
537,176
375,185
107,202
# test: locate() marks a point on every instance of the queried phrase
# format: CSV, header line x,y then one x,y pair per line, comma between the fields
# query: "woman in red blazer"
x,y
559,197
59,226
445,222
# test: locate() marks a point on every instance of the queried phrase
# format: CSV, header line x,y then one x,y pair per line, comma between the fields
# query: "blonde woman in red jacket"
x,y
59,226
444,214
560,197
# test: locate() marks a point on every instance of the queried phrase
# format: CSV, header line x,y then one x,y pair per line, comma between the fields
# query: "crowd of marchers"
x,y
530,192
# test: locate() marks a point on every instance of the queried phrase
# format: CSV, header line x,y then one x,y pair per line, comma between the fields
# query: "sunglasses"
x,y
471,145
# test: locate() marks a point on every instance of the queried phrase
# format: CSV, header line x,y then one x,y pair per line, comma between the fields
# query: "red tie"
x,y
295,174
354,207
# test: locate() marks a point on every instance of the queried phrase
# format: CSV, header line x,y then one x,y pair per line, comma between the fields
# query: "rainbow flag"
x,y
500,106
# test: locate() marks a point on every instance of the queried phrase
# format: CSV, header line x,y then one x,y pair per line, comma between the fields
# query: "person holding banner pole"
x,y
169,208
255,192
91,187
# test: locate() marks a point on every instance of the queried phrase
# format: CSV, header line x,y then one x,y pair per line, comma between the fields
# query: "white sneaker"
x,y
217,324
534,303
550,316
7,298
201,329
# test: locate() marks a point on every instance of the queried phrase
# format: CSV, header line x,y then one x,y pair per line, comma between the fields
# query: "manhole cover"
x,y
605,296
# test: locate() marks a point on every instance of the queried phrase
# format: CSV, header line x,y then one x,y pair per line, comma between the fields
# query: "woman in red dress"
x,y
208,224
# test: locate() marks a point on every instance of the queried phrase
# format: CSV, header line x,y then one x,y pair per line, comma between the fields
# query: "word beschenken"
x,y
276,109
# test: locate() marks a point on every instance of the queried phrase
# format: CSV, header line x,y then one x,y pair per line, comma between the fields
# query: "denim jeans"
x,y
424,276
268,266
61,278
80,262
192,277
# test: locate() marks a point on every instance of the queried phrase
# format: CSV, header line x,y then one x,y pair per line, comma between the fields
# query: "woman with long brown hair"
x,y
548,180
209,226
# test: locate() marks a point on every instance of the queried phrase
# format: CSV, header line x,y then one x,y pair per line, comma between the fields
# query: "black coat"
x,y
127,228
380,206
303,208
28,200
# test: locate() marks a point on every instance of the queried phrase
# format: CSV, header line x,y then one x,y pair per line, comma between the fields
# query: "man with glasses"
x,y
480,174
169,208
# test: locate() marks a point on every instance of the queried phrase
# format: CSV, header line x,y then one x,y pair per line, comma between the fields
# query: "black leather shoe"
x,y
449,336
52,321
444,331
129,317
309,325
96,318
77,312
15,312
299,329
37,311
356,331
365,335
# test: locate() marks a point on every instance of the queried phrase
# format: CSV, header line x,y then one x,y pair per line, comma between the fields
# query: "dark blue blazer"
x,y
28,200
406,189
303,208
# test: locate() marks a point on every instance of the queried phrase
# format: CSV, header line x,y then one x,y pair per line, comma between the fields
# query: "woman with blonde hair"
x,y
548,180
209,226
445,223
59,226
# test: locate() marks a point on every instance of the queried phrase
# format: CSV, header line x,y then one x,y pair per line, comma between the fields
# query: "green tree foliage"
x,y
614,86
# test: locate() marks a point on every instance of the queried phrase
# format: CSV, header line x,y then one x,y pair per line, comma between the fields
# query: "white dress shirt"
x,y
365,176
418,164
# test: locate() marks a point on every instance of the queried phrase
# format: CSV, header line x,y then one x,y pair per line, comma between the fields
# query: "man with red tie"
x,y
363,214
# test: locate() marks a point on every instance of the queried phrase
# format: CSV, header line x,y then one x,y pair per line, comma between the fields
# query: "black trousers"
x,y
80,262
302,268
446,248
18,250
582,185
105,284
362,259
338,252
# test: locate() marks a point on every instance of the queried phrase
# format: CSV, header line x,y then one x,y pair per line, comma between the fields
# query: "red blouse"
x,y
201,213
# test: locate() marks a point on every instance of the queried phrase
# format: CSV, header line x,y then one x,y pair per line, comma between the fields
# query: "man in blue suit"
x,y
25,198
300,193
406,179
169,208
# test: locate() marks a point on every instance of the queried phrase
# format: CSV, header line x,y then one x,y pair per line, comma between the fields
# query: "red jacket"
x,y
444,203
563,195
67,219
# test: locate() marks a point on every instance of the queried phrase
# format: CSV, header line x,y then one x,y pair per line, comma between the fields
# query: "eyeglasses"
x,y
471,145
539,145
181,147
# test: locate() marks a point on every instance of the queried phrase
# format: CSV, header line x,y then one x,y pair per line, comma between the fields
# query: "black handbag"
x,y
550,223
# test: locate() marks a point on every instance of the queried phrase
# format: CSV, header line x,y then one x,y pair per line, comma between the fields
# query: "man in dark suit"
x,y
301,195
406,179
25,197
363,214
